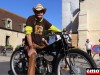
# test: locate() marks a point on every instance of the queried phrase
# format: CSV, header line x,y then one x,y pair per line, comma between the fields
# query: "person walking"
x,y
4,51
88,45
35,30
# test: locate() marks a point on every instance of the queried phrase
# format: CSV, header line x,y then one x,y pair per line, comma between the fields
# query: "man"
x,y
35,30
88,46
66,34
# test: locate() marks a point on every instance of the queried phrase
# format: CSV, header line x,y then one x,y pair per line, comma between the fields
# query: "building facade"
x,y
85,23
70,21
11,28
89,19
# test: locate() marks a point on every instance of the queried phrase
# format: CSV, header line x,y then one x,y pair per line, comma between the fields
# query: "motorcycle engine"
x,y
44,63
48,57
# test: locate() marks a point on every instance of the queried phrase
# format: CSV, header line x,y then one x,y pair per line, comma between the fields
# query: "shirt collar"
x,y
40,19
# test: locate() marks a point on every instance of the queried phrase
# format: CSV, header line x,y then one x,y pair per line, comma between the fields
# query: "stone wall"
x,y
14,39
89,20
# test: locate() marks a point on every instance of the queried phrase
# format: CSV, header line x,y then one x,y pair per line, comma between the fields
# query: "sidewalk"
x,y
5,58
97,60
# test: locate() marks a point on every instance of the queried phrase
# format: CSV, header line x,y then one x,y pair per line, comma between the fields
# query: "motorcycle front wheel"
x,y
78,62
19,62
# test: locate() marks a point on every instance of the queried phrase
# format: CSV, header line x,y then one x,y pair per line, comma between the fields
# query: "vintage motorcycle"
x,y
58,58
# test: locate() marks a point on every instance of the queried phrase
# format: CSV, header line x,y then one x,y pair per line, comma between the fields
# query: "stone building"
x,y
85,23
70,21
11,28
89,19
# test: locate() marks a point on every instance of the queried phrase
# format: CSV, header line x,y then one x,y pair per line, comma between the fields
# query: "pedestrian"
x,y
4,51
67,37
88,45
35,30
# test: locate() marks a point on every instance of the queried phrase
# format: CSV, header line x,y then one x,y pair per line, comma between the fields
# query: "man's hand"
x,y
32,52
37,46
40,47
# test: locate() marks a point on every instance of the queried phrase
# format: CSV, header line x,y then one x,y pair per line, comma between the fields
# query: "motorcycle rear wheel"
x,y
80,60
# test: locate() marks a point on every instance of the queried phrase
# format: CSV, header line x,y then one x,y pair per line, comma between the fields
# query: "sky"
x,y
24,8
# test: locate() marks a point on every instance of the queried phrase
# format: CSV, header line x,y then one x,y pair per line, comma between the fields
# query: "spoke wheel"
x,y
19,62
78,62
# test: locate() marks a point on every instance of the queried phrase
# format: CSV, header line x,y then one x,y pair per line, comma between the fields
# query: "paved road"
x,y
4,63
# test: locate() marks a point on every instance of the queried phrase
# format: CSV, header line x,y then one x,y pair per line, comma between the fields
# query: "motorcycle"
x,y
58,58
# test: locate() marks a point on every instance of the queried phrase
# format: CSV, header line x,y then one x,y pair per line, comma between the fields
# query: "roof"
x,y
12,13
17,20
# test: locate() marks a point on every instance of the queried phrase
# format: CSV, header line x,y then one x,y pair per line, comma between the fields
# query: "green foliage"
x,y
9,47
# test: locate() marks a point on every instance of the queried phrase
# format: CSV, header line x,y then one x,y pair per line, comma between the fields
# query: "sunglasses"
x,y
41,11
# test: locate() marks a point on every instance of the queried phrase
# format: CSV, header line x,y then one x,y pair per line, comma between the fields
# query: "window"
x,y
8,23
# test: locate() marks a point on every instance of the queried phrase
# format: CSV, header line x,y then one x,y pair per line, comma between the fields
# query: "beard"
x,y
39,15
